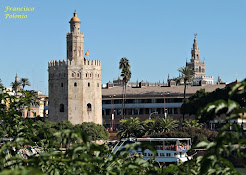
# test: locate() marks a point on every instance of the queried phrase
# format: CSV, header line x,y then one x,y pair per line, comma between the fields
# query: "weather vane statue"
x,y
195,35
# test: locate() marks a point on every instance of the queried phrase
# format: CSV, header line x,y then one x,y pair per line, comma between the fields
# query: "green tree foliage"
x,y
79,156
131,128
214,162
157,126
192,123
69,151
93,131
186,75
25,82
126,74
1,84
201,98
15,85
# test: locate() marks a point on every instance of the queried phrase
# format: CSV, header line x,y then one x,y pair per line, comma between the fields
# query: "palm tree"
x,y
126,74
131,128
187,75
15,85
25,82
192,123
158,126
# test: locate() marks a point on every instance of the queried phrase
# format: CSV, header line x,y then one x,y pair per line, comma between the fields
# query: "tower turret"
x,y
195,52
75,23
75,42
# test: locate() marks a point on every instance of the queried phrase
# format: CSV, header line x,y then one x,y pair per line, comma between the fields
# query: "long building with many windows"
x,y
146,101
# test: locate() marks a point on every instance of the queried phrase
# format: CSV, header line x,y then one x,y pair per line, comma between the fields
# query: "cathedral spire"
x,y
195,52
16,78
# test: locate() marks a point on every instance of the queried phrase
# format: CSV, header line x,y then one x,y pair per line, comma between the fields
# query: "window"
x,y
61,84
107,111
97,84
61,107
175,110
169,110
89,84
88,107
90,75
75,84
147,111
77,74
72,74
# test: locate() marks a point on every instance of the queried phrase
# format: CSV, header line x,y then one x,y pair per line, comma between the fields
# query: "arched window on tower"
x,y
75,84
72,74
61,107
200,69
77,74
88,107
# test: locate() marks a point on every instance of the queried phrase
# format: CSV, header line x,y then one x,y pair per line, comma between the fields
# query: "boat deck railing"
x,y
173,147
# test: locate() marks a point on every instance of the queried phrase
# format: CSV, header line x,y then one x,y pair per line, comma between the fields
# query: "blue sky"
x,y
156,36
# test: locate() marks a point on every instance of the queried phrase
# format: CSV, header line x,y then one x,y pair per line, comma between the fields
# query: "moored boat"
x,y
168,150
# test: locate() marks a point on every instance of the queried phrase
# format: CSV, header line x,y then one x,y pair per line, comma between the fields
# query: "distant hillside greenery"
x,y
65,149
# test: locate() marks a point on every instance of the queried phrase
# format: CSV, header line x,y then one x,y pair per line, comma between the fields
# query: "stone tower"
x,y
195,62
75,84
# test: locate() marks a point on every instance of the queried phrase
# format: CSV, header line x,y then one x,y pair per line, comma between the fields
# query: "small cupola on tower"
x,y
75,23
195,52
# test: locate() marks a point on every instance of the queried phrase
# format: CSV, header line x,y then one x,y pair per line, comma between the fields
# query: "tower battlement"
x,y
57,63
93,63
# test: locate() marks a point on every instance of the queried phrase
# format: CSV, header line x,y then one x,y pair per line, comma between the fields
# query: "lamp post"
x,y
165,110
152,114
112,112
